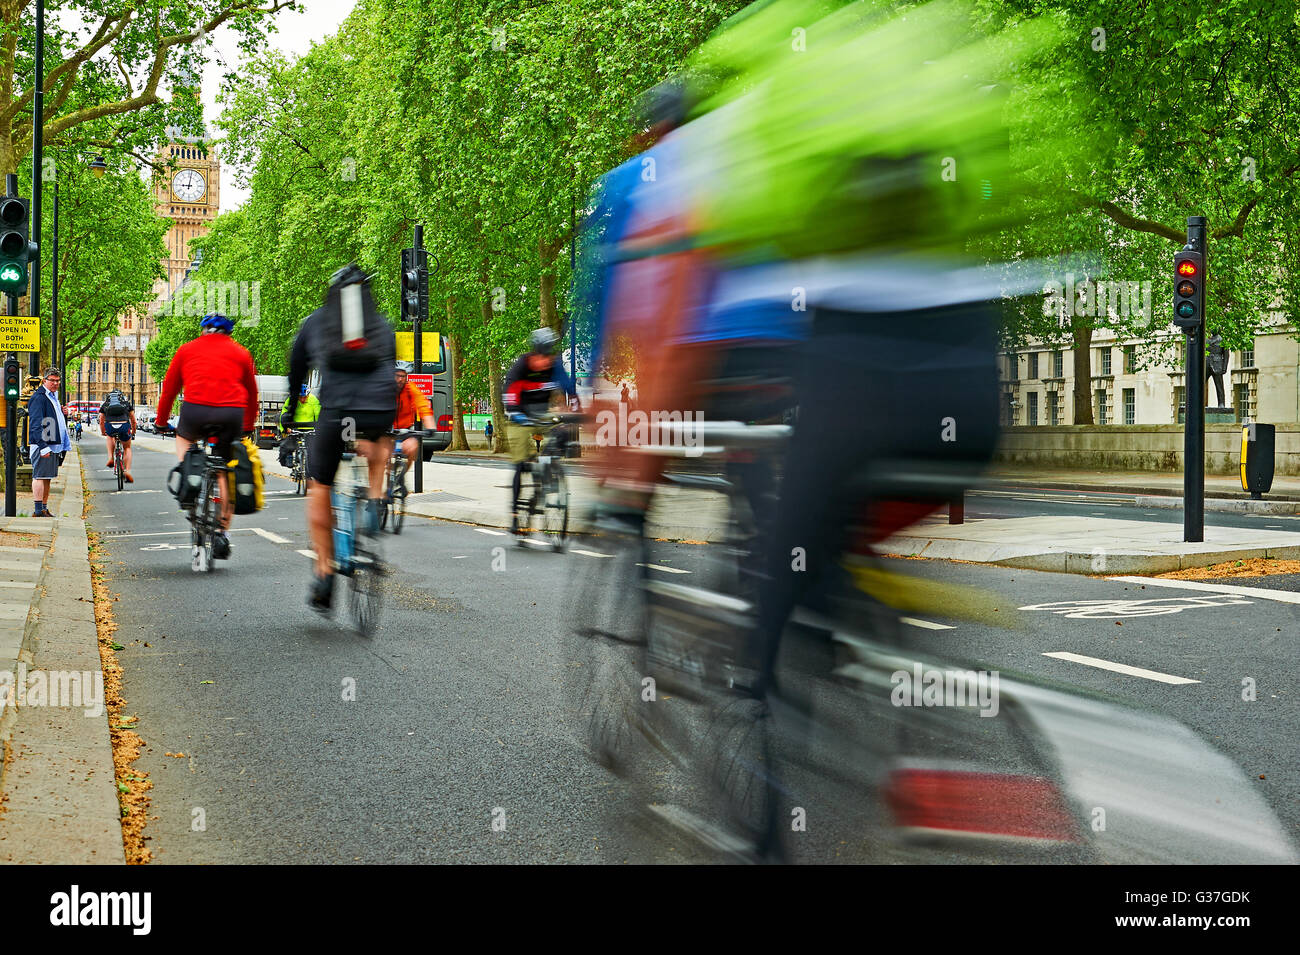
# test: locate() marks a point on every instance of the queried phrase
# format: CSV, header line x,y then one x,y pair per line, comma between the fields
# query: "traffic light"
x,y
415,287
15,249
1189,289
13,379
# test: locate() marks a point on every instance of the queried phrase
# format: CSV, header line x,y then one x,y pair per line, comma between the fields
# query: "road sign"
x,y
20,333
429,346
423,382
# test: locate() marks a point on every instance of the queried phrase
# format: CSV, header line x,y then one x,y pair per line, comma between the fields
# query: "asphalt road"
x,y
457,720
1117,507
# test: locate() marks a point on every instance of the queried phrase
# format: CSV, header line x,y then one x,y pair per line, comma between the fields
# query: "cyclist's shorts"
x,y
522,445
325,449
198,421
118,429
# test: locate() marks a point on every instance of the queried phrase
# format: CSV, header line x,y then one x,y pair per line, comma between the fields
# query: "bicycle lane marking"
x,y
1120,668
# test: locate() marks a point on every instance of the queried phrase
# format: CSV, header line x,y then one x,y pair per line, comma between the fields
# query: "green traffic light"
x,y
10,273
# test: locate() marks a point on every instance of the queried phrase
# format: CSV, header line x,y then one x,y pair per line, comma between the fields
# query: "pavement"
x,y
476,493
59,797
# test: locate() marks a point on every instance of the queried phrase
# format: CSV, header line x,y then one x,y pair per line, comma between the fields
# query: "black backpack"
x,y
354,336
116,405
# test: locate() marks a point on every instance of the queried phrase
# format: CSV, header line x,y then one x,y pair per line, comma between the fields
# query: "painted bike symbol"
x,y
1095,609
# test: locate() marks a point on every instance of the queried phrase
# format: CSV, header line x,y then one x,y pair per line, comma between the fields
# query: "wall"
x,y
1139,447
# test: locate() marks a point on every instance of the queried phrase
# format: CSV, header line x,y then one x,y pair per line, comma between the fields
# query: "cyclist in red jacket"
x,y
220,385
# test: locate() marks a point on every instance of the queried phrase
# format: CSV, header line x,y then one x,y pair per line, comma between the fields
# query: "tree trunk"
x,y
1081,332
458,440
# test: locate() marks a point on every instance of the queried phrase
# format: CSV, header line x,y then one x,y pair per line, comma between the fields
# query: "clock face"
x,y
189,185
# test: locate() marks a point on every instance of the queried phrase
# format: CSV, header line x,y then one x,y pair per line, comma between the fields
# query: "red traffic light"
x,y
1186,267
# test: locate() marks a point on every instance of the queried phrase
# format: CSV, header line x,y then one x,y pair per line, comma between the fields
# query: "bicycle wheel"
x,y
300,472
201,535
117,465
557,507
365,583
397,508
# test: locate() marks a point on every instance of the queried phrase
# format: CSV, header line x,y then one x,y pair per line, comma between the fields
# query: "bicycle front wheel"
x,y
117,467
366,590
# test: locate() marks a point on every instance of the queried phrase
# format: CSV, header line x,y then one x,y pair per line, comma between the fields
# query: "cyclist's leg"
x,y
108,438
126,457
324,452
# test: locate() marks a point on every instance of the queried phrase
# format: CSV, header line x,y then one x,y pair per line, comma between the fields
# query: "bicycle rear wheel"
x,y
117,466
557,507
397,508
300,472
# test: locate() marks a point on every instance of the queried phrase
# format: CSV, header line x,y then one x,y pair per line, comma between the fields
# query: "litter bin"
x,y
1257,446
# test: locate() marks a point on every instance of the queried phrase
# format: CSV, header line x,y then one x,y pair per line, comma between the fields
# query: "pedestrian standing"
x,y
487,433
48,433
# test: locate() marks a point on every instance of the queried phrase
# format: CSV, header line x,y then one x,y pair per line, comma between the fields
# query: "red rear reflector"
x,y
959,802
355,344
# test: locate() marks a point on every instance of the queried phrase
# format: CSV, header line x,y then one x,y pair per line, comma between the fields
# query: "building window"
x,y
1058,364
1032,397
1033,365
130,372
1130,406
1248,357
1013,366
1243,400
104,371
1105,361
1130,359
1180,402
1101,406
1053,408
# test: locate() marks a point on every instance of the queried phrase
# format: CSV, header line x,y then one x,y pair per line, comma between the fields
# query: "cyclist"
x,y
532,381
117,423
304,419
412,405
220,385
358,400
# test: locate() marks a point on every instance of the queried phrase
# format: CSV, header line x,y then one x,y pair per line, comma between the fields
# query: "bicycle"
x,y
298,465
118,469
206,512
393,507
550,487
357,556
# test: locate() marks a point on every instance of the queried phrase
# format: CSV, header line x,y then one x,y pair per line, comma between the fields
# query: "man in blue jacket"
x,y
47,431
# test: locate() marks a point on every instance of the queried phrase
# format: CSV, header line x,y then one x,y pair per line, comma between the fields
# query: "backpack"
x,y
246,476
355,337
185,479
116,405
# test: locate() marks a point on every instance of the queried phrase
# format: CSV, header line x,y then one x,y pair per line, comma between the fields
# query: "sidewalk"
x,y
1153,488
60,798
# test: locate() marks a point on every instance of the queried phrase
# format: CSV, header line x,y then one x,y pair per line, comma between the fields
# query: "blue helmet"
x,y
218,322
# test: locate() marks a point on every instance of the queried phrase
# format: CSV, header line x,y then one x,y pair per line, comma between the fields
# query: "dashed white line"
x,y
484,530
1120,668
273,538
925,624
308,553
667,570
589,553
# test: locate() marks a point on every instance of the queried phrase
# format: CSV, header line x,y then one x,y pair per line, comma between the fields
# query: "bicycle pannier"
x,y
246,476
185,479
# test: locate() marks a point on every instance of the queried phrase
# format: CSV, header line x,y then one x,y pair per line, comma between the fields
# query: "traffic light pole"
x,y
1194,419
417,326
11,403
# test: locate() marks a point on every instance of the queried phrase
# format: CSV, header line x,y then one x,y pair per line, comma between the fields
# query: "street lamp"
x,y
98,166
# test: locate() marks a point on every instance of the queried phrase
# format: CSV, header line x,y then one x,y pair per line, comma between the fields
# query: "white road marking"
x,y
152,534
460,557
667,570
273,538
925,624
484,530
1121,668
590,553
1281,596
308,553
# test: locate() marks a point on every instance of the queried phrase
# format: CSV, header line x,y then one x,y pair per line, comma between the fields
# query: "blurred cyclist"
x,y
219,382
532,382
304,419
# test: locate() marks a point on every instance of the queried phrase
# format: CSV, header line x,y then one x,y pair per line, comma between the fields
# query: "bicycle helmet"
x,y
218,323
543,340
405,367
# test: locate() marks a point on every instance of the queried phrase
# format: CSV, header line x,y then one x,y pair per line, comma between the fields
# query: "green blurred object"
x,y
875,127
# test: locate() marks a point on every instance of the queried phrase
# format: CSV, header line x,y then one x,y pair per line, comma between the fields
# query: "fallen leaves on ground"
x,y
1254,567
